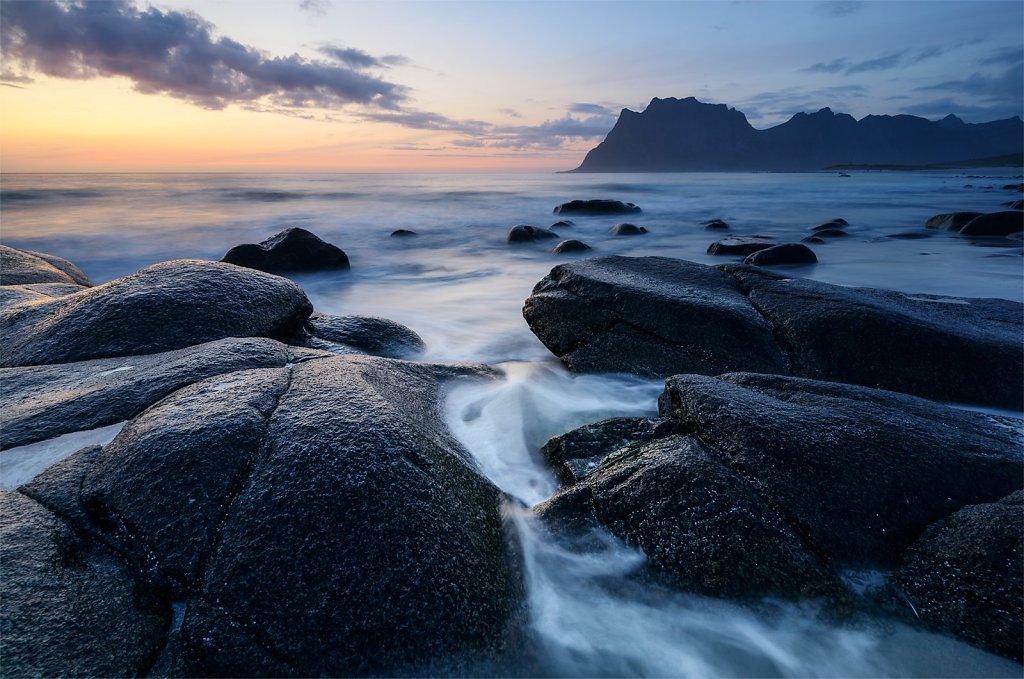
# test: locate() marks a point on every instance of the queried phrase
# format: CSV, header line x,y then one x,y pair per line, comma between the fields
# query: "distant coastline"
x,y
1006,160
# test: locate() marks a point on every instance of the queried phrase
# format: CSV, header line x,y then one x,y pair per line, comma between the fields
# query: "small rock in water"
x,y
740,245
834,224
909,235
526,233
292,250
627,229
1013,187
596,207
567,246
716,225
812,239
787,253
562,223
403,233
951,221
1016,205
831,233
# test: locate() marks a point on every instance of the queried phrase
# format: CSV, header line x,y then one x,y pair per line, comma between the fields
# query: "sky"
x,y
418,85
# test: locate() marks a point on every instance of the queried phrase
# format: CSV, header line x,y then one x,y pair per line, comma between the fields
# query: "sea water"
x,y
461,286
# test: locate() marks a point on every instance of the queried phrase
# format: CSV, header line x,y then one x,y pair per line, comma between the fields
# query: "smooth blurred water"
x,y
461,286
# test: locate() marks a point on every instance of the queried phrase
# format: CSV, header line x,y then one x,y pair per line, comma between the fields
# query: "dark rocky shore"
x,y
286,499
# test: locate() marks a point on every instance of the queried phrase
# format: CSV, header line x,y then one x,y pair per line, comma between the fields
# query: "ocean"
x,y
461,286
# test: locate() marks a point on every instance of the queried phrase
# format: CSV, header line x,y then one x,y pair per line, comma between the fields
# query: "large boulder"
x,y
787,253
696,519
160,308
24,267
963,575
652,316
860,471
596,207
740,245
657,317
292,250
313,519
359,334
49,400
12,295
68,608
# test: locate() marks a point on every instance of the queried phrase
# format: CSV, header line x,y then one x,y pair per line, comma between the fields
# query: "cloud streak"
x,y
176,54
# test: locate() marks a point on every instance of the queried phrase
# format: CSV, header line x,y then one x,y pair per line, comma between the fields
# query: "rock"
x,y
995,224
696,520
787,253
360,334
830,233
740,245
952,221
287,507
861,472
23,267
596,207
11,295
576,453
68,609
626,229
650,316
963,575
403,233
716,225
563,223
568,246
812,239
828,226
1013,187
163,307
1016,205
839,221
658,317
49,400
525,233
291,250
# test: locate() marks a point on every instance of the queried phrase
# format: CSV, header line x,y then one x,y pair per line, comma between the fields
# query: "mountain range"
x,y
686,135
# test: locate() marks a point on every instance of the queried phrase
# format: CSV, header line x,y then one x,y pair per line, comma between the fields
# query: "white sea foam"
x,y
22,464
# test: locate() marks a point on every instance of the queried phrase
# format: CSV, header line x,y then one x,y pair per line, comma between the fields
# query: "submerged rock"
x,y
787,253
568,246
740,245
658,317
403,233
627,229
963,575
596,207
359,334
163,307
24,267
829,226
291,250
831,233
563,223
716,225
525,233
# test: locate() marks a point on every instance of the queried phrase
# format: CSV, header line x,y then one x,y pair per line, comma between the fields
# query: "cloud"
x,y
839,8
315,7
1007,86
176,54
510,112
358,59
1005,55
882,63
834,66
590,109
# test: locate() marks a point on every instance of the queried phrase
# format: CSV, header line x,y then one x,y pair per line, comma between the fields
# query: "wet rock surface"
x,y
359,334
951,221
658,317
627,229
24,267
963,575
787,253
740,245
568,246
292,250
280,508
526,233
163,307
995,224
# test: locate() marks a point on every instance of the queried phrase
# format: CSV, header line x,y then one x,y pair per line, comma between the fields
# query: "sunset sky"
x,y
327,85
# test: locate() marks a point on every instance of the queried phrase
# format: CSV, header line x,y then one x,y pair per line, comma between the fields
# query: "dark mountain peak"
x,y
682,135
951,122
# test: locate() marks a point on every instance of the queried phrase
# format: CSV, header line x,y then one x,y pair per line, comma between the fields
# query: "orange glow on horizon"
x,y
103,125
